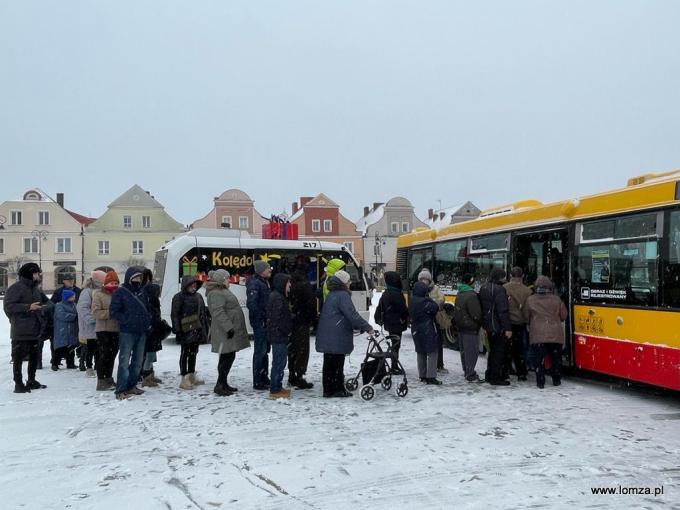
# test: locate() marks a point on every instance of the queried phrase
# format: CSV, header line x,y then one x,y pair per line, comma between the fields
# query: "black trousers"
x,y
224,367
514,352
333,373
555,353
92,353
440,352
298,352
65,353
21,350
107,344
395,338
187,358
494,361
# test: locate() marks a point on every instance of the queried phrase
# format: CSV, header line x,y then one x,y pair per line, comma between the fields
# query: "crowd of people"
x,y
107,320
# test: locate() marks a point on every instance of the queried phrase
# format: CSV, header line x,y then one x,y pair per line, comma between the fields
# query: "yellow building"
x,y
134,226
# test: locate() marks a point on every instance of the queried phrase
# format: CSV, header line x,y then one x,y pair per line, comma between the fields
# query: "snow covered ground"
x,y
456,446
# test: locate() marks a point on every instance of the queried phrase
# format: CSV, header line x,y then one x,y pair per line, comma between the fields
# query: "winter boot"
x,y
135,391
110,381
21,388
432,380
55,367
156,379
103,385
282,393
122,396
149,381
35,385
302,384
230,388
185,384
195,380
222,391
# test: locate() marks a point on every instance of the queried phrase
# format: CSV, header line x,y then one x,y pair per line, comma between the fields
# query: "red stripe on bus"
x,y
647,363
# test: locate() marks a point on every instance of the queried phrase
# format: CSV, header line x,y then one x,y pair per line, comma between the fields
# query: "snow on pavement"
x,y
460,445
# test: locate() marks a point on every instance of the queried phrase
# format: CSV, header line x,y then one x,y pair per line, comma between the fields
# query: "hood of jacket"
x,y
421,289
279,282
543,282
188,280
131,273
334,266
335,284
393,279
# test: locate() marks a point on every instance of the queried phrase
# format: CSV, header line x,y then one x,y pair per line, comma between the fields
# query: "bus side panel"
x,y
646,363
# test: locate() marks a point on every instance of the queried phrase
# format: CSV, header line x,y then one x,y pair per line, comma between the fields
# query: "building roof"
x,y
83,220
438,222
321,200
370,219
234,195
136,197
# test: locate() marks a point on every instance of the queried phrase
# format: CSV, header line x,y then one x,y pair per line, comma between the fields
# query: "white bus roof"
x,y
216,238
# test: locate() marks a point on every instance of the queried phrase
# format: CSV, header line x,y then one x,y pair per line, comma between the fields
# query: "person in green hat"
x,y
333,266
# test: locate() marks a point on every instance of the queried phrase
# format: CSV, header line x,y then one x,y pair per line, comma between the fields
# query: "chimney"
x,y
376,205
295,207
441,215
60,199
366,211
305,200
430,214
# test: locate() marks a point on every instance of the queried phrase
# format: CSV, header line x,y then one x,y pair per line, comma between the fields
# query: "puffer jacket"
x,y
392,312
257,292
339,318
228,330
87,324
101,302
468,311
65,325
186,304
545,312
279,320
423,310
130,306
26,325
518,293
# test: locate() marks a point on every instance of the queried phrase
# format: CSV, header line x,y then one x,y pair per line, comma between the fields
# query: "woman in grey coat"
x,y
228,332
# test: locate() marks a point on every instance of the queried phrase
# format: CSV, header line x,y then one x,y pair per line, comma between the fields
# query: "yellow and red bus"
x,y
614,258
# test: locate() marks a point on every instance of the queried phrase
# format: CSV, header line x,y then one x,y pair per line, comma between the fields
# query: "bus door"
x,y
546,254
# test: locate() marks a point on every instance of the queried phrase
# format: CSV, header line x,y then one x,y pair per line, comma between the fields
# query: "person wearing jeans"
x,y
129,307
258,292
279,327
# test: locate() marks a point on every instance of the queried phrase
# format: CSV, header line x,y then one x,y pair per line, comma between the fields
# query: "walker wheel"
x,y
386,382
402,390
351,384
367,392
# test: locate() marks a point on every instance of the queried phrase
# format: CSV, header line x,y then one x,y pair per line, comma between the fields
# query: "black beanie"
x,y
28,270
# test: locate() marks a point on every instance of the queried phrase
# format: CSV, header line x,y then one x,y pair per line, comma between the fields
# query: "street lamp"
x,y
40,235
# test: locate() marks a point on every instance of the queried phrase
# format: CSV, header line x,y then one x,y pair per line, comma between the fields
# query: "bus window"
x,y
418,260
357,281
289,261
618,272
671,270
482,264
450,264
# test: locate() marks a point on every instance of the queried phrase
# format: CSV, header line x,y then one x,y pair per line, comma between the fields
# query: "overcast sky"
x,y
491,101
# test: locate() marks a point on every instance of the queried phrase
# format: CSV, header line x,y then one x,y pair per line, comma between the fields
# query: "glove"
x,y
230,334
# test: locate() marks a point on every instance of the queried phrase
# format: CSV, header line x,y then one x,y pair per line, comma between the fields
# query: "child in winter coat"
x,y
423,310
279,327
392,313
65,330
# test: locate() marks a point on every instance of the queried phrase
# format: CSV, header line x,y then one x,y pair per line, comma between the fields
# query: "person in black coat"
x,y
257,292
392,313
70,284
303,309
23,306
279,328
425,337
496,317
157,333
189,323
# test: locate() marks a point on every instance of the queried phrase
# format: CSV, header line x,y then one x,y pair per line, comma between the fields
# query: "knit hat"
x,y
98,276
28,270
67,294
425,275
111,277
343,276
333,266
218,275
260,265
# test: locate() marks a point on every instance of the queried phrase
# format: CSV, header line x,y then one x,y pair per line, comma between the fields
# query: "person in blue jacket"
x,y
130,307
65,338
423,309
258,290
335,334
